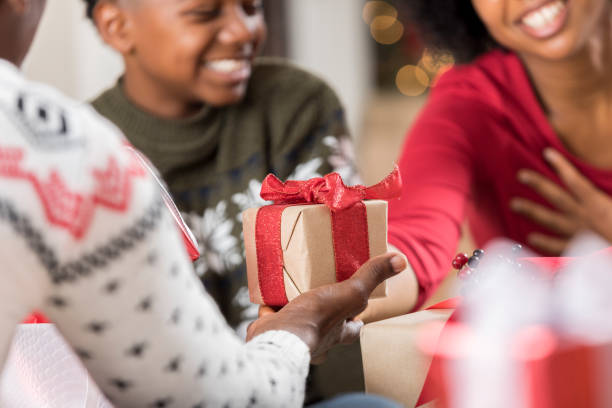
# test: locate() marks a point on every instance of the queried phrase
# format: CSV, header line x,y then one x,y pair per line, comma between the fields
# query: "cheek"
x,y
193,45
177,50
590,14
493,14
261,30
257,26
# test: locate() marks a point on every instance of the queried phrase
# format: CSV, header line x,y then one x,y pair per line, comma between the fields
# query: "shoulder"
x,y
493,80
279,80
66,166
106,101
51,128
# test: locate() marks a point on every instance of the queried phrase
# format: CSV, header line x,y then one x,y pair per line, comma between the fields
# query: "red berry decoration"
x,y
460,261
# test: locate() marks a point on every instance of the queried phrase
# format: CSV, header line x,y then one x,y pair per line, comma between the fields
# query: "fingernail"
x,y
550,154
516,205
398,263
524,177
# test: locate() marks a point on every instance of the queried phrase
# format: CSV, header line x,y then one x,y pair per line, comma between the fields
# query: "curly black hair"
x,y
450,26
90,5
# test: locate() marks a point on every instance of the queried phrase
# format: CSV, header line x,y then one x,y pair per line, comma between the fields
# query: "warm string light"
x,y
436,65
413,80
384,25
386,29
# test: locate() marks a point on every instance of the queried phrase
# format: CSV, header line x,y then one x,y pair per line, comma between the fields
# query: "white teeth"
x,y
227,65
544,15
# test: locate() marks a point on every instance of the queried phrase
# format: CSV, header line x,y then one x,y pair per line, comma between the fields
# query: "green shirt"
x,y
290,123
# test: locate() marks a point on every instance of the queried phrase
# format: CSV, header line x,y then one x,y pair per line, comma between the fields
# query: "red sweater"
x,y
481,125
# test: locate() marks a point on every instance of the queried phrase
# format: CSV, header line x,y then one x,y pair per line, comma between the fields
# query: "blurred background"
x,y
366,50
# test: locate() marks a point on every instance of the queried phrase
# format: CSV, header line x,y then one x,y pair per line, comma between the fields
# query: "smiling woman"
x,y
549,29
530,103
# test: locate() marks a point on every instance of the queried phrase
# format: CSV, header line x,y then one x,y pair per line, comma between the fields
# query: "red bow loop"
x,y
390,187
329,190
272,189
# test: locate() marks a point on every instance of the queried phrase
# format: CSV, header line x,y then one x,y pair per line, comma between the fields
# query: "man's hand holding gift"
x,y
325,316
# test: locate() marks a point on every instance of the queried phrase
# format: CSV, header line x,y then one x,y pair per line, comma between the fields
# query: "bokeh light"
x,y
436,64
386,30
373,9
412,80
384,26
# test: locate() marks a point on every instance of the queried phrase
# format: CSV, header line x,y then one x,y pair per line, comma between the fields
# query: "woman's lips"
x,y
545,21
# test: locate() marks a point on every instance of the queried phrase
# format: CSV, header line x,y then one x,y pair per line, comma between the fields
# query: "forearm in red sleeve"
x,y
437,165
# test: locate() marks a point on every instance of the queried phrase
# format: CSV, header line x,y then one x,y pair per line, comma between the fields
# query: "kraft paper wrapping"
x,y
394,365
308,251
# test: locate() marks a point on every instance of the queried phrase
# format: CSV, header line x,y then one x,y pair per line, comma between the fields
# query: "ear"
x,y
114,26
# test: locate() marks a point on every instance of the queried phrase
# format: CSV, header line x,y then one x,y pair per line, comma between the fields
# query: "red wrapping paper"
x,y
550,378
554,372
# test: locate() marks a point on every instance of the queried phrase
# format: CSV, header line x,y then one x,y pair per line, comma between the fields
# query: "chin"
x,y
554,49
557,52
224,99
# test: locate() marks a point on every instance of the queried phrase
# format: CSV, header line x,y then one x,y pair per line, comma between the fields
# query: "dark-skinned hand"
x,y
324,316
579,207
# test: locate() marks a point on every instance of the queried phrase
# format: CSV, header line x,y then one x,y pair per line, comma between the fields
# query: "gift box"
x,y
394,364
531,333
308,249
542,369
316,232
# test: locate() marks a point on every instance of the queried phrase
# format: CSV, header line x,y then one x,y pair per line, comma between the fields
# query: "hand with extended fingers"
x,y
324,317
580,206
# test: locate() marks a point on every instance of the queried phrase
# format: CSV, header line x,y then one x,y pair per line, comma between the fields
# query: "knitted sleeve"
x,y
87,240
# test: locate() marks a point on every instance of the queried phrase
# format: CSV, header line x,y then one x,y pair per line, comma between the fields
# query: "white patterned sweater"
x,y
85,238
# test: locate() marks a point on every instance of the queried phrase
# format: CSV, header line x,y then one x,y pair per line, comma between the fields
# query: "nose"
x,y
239,27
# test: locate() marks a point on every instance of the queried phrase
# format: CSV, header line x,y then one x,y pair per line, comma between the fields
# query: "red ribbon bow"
x,y
329,190
349,224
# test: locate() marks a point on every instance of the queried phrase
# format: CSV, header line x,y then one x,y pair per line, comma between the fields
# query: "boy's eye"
x,y
252,7
204,14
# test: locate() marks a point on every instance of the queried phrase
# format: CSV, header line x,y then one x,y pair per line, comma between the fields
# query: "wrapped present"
x,y
394,365
317,232
530,332
542,369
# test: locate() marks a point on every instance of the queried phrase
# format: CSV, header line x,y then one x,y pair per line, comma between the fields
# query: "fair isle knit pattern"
x,y
87,240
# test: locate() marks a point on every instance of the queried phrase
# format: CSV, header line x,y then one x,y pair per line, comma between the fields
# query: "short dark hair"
x,y
90,5
450,26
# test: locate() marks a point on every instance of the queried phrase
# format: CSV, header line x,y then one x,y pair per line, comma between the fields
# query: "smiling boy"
x,y
215,120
